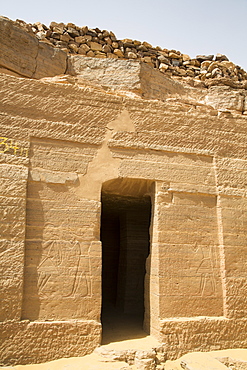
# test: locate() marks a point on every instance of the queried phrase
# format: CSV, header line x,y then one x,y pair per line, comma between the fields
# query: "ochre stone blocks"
x,y
84,147
183,336
12,224
190,263
31,342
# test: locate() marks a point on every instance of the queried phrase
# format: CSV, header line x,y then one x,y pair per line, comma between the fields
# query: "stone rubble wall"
x,y
104,44
24,55
31,56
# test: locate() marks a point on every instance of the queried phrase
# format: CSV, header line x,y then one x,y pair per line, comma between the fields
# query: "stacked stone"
x,y
104,44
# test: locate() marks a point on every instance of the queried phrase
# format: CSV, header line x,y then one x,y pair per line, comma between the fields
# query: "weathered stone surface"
x,y
22,53
225,98
83,49
49,61
82,338
145,360
69,38
221,57
106,49
163,67
118,52
195,361
95,46
19,49
163,59
203,58
118,163
131,55
107,73
12,210
124,75
174,55
54,178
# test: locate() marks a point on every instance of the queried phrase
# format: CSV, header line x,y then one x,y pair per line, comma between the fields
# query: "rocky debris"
x,y
145,360
22,54
195,361
104,44
155,359
235,359
149,359
38,51
229,359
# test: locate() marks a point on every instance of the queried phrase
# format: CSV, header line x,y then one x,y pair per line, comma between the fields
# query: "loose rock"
x,y
102,43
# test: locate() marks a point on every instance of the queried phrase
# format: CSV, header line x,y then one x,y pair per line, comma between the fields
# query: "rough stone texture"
x,y
225,98
78,40
23,54
186,335
225,359
153,359
196,361
65,148
50,61
12,193
126,75
106,73
18,56
43,52
33,342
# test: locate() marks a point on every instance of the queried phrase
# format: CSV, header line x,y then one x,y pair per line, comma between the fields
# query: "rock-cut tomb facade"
x,y
122,187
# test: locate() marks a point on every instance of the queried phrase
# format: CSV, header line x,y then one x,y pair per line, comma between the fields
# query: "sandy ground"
x,y
232,359
90,362
235,358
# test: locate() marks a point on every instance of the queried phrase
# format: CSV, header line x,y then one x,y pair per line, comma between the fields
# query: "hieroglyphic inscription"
x,y
8,146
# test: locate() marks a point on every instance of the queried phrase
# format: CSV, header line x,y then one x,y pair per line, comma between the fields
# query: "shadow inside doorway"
x,y
125,225
117,326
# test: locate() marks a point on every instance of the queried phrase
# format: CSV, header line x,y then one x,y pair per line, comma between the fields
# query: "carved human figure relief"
x,y
206,270
64,270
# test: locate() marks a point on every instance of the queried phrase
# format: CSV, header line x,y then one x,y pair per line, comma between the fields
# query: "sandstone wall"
x,y
14,174
59,144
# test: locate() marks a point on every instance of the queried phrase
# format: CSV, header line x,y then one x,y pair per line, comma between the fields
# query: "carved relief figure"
x,y
64,270
206,270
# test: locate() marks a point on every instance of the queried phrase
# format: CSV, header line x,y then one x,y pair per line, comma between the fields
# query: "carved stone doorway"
x,y
125,222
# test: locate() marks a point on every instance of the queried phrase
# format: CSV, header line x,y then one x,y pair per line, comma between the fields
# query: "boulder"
x,y
23,54
18,48
221,57
203,58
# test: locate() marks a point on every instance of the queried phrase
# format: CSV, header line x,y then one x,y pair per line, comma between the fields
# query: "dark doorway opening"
x,y
125,222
